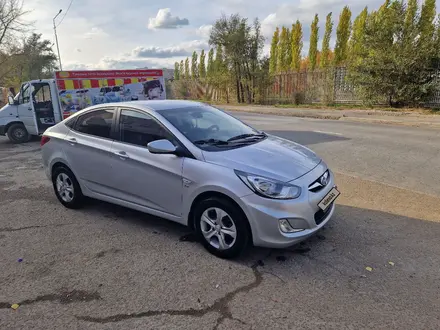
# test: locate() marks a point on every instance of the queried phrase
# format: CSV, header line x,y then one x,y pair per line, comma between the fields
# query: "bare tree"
x,y
11,25
11,14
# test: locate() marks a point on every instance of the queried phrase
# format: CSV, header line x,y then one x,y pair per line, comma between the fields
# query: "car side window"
x,y
97,123
140,129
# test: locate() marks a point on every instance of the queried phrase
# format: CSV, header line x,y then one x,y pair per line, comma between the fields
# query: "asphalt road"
x,y
105,267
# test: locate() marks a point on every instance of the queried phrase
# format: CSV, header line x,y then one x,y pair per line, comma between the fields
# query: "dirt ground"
x,y
374,266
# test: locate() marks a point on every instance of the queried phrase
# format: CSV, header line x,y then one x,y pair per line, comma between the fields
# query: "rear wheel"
x,y
67,188
222,227
17,133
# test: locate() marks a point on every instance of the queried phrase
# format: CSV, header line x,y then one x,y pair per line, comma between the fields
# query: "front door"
x,y
25,110
87,148
43,105
142,178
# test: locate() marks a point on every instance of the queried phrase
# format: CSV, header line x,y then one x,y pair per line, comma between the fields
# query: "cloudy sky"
x,y
115,34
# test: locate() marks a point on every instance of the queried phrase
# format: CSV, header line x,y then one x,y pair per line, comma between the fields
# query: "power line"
x,y
62,18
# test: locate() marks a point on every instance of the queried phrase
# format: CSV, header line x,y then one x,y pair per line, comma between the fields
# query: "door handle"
x,y
30,109
122,154
72,141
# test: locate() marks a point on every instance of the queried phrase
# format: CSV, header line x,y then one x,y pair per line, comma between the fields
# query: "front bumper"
x,y
264,214
2,130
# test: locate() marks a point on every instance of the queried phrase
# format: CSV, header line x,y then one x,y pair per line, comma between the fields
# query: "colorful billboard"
x,y
80,89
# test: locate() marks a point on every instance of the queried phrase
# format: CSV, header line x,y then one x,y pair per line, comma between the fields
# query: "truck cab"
x,y
34,109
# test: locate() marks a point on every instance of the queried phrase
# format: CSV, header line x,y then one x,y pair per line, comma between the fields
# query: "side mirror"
x,y
11,100
161,147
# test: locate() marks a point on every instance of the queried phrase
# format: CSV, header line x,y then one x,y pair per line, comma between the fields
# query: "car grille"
x,y
316,185
321,215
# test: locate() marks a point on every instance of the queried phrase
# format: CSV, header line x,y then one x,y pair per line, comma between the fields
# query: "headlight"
x,y
268,187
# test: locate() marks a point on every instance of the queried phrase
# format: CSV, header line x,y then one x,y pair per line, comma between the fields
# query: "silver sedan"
x,y
194,164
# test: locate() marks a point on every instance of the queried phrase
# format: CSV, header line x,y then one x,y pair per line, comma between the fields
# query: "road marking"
x,y
331,133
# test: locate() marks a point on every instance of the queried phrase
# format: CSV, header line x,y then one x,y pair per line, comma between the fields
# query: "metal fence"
x,y
307,87
321,87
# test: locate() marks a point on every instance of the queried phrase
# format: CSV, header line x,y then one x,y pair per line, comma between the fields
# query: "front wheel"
x,y
222,227
17,133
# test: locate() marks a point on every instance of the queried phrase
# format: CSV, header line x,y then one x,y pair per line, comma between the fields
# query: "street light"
x,y
56,38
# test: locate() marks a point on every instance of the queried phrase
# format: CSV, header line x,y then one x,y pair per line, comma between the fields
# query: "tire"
x,y
17,133
69,194
232,219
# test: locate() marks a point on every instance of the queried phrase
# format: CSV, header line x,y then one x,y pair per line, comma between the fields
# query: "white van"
x,y
42,103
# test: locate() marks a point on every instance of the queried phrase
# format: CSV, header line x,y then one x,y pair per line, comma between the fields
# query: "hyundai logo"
x,y
324,178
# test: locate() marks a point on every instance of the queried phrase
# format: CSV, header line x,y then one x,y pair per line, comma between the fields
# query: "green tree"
x,y
313,49
410,19
283,50
182,70
219,64
274,51
194,66
427,21
357,40
202,65
399,59
325,50
242,42
176,71
34,59
342,36
187,69
210,67
297,46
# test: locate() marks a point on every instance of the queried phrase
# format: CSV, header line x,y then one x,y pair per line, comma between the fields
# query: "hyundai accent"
x,y
194,164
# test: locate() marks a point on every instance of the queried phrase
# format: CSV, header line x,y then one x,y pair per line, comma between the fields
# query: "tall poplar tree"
x,y
202,65
194,67
274,51
325,50
313,49
176,71
342,36
297,46
210,67
282,50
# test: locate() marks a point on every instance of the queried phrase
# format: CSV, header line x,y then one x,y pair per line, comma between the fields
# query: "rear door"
x,y
88,149
149,180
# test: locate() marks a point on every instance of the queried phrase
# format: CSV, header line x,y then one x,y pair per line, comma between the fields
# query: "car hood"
x,y
272,157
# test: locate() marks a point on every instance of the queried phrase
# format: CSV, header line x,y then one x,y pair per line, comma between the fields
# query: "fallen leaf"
x,y
391,263
15,306
369,269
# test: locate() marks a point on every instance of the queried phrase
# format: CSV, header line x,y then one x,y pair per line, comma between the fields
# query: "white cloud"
x,y
165,20
204,31
94,32
181,50
157,52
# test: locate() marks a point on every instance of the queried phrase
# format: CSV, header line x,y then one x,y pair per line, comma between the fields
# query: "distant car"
x,y
193,164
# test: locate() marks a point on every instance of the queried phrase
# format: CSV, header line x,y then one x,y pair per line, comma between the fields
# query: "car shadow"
x,y
352,240
307,137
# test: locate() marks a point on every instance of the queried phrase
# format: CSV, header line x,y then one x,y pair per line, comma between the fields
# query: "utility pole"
x,y
56,38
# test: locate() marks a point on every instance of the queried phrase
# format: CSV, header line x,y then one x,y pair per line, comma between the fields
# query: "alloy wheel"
x,y
218,228
65,187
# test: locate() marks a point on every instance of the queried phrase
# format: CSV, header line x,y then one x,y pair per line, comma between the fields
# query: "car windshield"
x,y
208,127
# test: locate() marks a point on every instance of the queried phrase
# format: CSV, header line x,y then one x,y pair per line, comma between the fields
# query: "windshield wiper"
x,y
213,142
246,136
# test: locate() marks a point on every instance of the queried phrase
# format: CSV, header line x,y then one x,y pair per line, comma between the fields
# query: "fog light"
x,y
287,228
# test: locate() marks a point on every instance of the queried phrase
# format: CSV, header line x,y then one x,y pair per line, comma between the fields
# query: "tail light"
x,y
44,140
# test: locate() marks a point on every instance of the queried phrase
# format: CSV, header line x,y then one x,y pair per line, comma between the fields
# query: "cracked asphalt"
x,y
106,267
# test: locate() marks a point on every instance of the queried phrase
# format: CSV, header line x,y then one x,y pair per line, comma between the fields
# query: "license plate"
x,y
328,199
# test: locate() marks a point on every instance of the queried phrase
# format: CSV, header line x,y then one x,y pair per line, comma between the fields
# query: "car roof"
x,y
153,105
